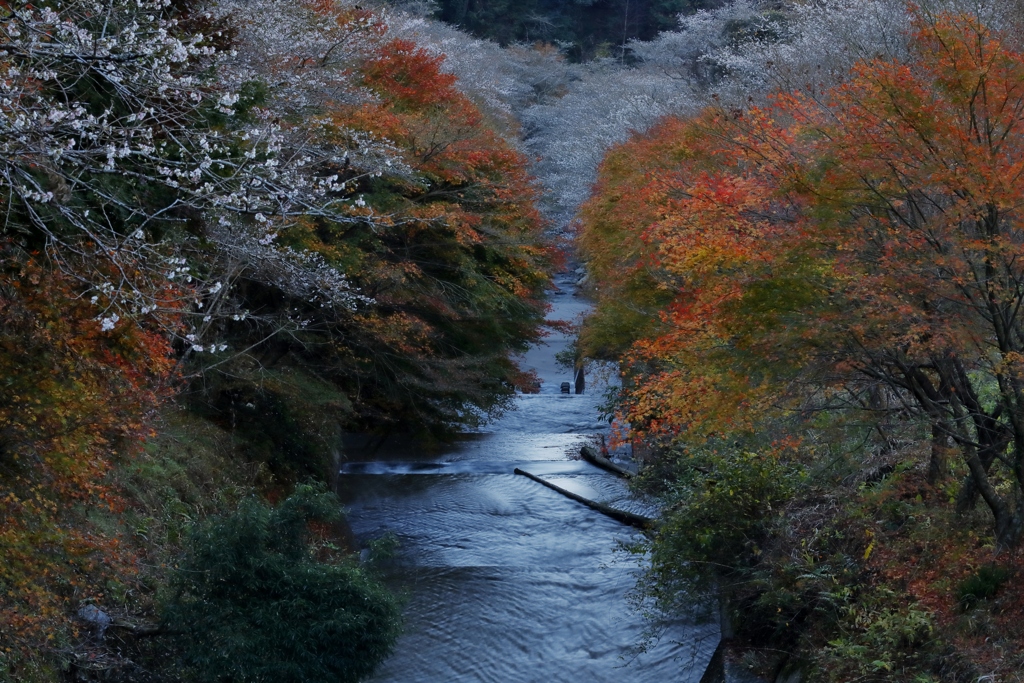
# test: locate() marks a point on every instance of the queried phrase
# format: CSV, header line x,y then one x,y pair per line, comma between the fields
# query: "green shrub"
x,y
252,603
981,585
718,513
878,638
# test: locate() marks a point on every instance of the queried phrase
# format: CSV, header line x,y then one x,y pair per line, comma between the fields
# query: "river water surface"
x,y
507,581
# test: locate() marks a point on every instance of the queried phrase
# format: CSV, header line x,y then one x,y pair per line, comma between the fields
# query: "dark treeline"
x,y
594,28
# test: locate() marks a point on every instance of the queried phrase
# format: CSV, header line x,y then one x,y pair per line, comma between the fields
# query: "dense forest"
x,y
231,233
586,28
236,231
812,284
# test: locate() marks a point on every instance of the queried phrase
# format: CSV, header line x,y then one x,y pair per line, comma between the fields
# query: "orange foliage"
x,y
409,77
869,235
629,196
72,396
457,274
716,233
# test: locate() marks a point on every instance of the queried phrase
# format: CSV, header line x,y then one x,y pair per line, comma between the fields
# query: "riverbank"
x,y
870,574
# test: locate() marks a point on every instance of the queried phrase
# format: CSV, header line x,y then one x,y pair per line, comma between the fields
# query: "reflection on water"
x,y
508,581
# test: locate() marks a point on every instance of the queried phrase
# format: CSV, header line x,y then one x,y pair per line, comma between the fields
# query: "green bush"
x,y
880,637
252,603
981,585
717,515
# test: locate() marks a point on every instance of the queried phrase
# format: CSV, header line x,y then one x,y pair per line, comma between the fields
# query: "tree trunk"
x,y
630,518
598,460
938,465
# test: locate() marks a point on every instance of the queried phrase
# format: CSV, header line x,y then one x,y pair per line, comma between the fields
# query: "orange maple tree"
x,y
720,245
919,198
453,260
865,239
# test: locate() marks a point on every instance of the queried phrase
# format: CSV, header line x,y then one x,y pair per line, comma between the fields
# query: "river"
x,y
507,581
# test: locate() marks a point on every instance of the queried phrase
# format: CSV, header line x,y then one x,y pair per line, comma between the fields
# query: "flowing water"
x,y
506,580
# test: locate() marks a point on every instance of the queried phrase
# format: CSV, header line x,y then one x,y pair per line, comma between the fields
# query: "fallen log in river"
x,y
630,518
595,458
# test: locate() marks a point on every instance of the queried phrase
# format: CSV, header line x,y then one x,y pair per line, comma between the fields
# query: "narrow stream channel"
x,y
506,580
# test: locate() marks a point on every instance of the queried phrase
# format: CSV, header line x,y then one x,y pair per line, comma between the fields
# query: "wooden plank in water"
x,y
630,518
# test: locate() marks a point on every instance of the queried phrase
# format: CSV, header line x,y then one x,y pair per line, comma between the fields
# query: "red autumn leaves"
x,y
864,237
